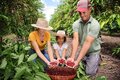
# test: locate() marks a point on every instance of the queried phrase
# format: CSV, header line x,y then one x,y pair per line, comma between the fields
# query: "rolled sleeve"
x,y
75,26
55,46
94,31
31,37
65,45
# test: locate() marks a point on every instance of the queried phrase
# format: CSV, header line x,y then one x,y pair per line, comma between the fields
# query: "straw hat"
x,y
42,24
61,33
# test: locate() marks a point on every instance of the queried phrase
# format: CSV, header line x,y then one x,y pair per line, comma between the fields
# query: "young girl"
x,y
60,47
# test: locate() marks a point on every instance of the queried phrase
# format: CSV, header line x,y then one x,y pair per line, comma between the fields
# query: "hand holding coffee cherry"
x,y
70,64
54,63
61,61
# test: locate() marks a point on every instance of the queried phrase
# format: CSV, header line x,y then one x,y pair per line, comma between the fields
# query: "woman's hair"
x,y
64,38
36,29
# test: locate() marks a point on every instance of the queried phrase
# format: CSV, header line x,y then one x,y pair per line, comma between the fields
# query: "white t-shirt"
x,y
60,49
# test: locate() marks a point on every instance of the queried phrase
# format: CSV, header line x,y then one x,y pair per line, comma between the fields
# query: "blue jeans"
x,y
32,51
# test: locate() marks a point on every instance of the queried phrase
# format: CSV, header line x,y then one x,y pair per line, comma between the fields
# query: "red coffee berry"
x,y
53,63
61,61
70,64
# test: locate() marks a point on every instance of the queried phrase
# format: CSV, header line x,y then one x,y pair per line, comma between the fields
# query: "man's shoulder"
x,y
76,23
95,24
94,21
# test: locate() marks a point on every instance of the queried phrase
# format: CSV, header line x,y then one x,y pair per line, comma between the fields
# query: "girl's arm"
x,y
57,54
39,53
64,53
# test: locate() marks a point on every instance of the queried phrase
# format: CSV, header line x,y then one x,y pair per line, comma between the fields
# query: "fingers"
x,y
70,63
54,63
61,61
76,65
70,59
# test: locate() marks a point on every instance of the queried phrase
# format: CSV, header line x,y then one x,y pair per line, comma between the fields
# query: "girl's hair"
x,y
58,37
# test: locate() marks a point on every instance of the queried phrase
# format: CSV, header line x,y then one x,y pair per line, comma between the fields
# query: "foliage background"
x,y
107,12
17,15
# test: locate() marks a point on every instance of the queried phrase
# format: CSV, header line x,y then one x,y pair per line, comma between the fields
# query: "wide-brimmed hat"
x,y
42,24
83,5
61,33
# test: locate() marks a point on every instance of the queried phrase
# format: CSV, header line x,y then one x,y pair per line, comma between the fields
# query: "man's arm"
x,y
88,42
75,43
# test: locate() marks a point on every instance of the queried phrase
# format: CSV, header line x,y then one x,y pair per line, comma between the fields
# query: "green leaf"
x,y
44,76
81,71
16,48
38,78
20,60
102,23
27,48
101,78
85,78
78,75
20,72
81,65
14,56
76,79
32,57
3,64
7,73
118,21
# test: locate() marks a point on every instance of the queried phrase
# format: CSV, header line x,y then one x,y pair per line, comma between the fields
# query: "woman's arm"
x,y
36,48
50,52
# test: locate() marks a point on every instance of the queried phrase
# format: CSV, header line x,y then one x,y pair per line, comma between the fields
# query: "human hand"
x,y
70,59
76,64
70,63
54,63
62,60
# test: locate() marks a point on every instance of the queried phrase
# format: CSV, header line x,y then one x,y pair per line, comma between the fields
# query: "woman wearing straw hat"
x,y
39,39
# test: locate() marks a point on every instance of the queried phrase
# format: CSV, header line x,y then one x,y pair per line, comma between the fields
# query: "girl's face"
x,y
60,40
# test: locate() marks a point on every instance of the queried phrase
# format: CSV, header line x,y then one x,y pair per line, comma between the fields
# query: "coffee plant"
x,y
104,11
17,64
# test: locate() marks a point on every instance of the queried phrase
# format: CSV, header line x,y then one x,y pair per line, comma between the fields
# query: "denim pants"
x,y
32,51
91,62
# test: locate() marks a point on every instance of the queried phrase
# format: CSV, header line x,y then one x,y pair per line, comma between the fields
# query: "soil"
x,y
110,65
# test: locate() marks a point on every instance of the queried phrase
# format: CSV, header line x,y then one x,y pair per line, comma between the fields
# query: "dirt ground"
x,y
110,65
